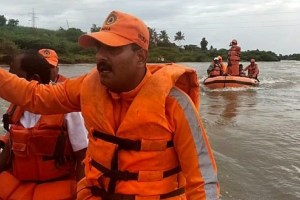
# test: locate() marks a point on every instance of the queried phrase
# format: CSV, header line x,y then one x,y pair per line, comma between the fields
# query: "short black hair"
x,y
33,63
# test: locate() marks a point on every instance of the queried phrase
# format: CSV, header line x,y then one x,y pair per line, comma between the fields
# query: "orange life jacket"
x,y
139,158
217,71
223,68
253,70
234,52
233,60
40,153
12,188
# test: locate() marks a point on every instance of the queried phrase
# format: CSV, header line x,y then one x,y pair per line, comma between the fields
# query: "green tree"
x,y
191,47
13,22
164,38
153,37
8,46
2,20
71,34
179,36
95,28
203,44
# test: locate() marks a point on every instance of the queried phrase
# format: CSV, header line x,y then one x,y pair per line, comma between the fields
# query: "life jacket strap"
x,y
7,117
134,145
126,175
5,120
117,196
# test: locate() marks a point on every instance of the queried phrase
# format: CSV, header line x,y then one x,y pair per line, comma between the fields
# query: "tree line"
x,y
15,38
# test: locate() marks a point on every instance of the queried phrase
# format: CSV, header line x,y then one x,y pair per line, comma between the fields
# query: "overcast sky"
x,y
271,25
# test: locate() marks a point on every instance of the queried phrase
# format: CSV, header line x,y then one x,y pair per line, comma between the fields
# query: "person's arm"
x,y
39,98
79,156
246,68
238,50
209,69
194,151
78,139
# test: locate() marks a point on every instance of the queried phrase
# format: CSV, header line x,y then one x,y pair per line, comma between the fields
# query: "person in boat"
x,y
146,138
51,56
214,68
252,69
223,66
241,68
44,153
234,54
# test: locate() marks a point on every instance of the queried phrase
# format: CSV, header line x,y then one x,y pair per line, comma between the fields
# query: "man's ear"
x,y
36,77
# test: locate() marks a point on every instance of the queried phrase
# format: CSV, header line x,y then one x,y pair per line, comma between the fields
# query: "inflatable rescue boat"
x,y
229,81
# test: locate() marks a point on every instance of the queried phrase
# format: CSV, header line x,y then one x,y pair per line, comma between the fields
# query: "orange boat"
x,y
229,81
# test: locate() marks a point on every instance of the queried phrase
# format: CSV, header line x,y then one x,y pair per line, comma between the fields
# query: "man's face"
x,y
119,67
15,67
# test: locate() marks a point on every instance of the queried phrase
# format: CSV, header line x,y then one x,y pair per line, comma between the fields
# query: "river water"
x,y
254,132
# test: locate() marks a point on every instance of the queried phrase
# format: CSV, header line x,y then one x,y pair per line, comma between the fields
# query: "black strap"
x,y
6,121
114,166
59,151
174,193
114,174
126,175
6,117
123,143
116,196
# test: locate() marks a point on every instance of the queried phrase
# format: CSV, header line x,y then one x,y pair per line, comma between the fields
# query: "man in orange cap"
x,y
214,68
52,58
146,138
234,54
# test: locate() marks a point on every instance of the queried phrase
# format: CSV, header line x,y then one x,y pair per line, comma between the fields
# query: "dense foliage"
x,y
14,38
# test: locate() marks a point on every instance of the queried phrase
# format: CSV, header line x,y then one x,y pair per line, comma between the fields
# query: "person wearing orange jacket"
x,y
252,69
223,66
234,54
214,68
146,138
51,56
44,153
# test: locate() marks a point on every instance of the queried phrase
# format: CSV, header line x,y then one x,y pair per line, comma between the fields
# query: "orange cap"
x,y
119,29
50,55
